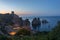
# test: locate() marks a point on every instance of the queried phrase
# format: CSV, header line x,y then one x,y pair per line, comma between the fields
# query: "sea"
x,y
52,22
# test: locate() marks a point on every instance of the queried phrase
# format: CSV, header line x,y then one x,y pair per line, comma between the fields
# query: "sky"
x,y
31,7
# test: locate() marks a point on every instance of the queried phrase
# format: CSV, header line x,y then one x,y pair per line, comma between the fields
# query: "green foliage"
x,y
55,33
2,37
1,20
23,32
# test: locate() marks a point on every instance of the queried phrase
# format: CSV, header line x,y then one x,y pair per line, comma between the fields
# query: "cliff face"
x,y
7,18
12,23
9,21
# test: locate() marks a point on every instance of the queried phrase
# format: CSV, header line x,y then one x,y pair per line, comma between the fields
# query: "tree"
x,y
23,32
55,33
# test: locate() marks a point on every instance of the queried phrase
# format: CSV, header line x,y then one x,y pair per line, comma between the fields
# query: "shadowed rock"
x,y
36,23
21,21
26,22
44,21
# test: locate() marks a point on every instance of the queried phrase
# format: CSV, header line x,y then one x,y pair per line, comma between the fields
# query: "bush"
x,y
55,33
2,37
23,32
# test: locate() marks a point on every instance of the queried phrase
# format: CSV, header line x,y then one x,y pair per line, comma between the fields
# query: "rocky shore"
x,y
10,22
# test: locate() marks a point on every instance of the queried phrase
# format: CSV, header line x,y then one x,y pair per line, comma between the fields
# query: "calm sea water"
x,y
46,27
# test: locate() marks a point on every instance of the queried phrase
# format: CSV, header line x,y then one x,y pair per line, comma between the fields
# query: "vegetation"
x,y
52,35
2,37
24,34
55,33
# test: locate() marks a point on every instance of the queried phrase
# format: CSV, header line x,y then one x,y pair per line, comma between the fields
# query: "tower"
x,y
12,12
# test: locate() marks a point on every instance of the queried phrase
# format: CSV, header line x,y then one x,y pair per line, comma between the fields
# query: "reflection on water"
x,y
52,22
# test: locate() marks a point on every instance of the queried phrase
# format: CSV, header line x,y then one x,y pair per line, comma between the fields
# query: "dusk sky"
x,y
31,7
